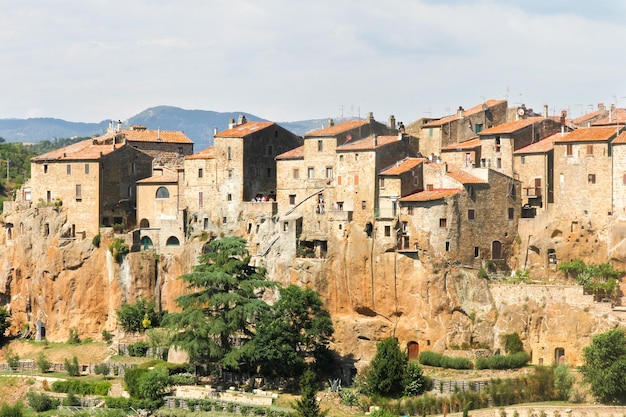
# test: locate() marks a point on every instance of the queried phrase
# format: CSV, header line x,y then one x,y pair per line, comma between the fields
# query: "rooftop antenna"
x,y
506,94
429,112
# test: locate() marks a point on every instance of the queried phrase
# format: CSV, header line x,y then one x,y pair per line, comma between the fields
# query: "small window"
x,y
443,222
320,145
476,252
409,210
589,149
356,156
382,183
230,173
363,205
229,154
340,205
292,199
470,191
523,160
329,172
511,212
387,231
200,173
200,198
224,219
447,246
79,192
569,149
296,173
229,197
270,150
133,168
591,178
311,173
45,168
624,179
478,127
499,163
338,179
68,168
162,192
130,190
268,173
285,226
340,158
86,168
180,149
471,214
356,179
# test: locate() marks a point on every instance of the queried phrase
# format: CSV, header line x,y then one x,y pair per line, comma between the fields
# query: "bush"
x,y
431,358
107,336
71,400
513,343
514,361
82,387
102,369
41,402
118,249
414,380
16,410
43,363
73,338
183,379
73,369
138,349
96,240
13,359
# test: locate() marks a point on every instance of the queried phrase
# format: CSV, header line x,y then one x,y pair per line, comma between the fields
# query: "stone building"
x,y
94,180
160,220
461,126
583,170
500,142
533,165
235,178
465,154
462,215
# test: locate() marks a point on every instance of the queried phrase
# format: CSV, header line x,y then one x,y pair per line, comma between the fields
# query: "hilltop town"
x,y
444,232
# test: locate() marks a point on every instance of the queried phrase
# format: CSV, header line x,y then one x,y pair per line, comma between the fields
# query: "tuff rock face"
x,y
371,292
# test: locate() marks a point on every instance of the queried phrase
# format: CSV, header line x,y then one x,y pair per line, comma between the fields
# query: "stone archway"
x,y
496,249
413,349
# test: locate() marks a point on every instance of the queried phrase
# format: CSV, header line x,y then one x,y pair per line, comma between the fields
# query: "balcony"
x,y
268,208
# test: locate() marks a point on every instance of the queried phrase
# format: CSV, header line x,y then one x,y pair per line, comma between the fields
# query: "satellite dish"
x,y
521,111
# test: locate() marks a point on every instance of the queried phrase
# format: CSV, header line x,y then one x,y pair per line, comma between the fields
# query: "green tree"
x,y
513,343
220,312
72,368
296,330
153,384
43,363
604,367
386,372
13,359
563,382
414,381
102,369
307,405
5,322
133,317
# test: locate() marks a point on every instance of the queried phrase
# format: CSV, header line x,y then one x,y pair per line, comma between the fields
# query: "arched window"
x,y
144,224
146,242
162,192
172,241
496,249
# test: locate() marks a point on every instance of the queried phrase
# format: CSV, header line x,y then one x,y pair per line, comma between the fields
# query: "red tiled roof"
x,y
367,143
241,131
430,195
543,146
90,149
146,135
589,116
588,134
473,110
617,116
464,177
510,127
295,153
167,177
403,166
206,153
337,129
621,138
462,146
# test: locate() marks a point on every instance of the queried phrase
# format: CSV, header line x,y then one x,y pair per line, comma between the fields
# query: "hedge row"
x,y
431,358
514,361
82,387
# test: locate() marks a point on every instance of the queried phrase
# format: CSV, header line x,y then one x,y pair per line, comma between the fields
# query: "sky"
x,y
288,60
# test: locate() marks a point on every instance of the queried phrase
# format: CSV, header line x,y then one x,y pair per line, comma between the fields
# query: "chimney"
x,y
119,125
375,139
214,131
231,123
110,129
444,168
331,123
545,111
601,107
242,120
392,122
460,111
563,116
429,187
370,117
159,134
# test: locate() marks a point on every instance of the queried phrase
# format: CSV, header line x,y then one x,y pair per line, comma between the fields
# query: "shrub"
x,y
73,338
71,399
414,381
96,240
118,249
43,363
16,410
102,369
41,402
117,402
138,349
82,387
563,382
431,358
513,343
107,336
183,379
72,368
13,359
514,361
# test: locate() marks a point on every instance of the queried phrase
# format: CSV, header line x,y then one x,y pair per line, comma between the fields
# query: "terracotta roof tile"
x,y
367,143
589,116
206,153
90,149
146,135
510,127
430,195
588,134
296,153
543,146
337,129
463,177
620,139
243,130
462,146
473,110
403,166
617,116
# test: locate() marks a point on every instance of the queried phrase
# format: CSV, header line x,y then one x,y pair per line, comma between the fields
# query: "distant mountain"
x,y
198,125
